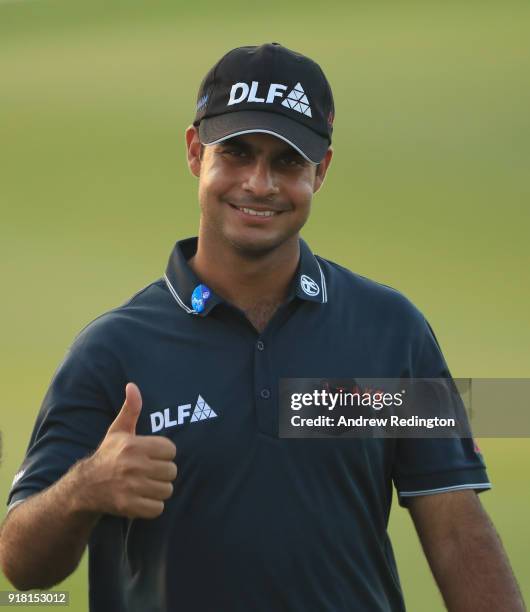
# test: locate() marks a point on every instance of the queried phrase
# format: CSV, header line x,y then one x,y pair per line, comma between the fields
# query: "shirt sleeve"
x,y
425,466
75,414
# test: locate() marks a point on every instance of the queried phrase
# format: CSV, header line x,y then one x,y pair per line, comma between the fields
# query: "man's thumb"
x,y
130,411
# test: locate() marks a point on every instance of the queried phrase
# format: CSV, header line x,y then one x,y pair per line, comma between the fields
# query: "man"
x,y
253,521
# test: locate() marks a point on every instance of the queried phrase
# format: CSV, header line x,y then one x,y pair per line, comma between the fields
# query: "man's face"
x,y
255,190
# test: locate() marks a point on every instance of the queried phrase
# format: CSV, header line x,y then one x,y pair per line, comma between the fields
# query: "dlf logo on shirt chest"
x,y
171,417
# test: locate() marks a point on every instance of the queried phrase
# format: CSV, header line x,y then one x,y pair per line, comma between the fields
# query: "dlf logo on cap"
x,y
296,99
268,89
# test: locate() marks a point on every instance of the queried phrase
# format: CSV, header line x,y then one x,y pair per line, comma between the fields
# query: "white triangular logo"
x,y
202,411
297,100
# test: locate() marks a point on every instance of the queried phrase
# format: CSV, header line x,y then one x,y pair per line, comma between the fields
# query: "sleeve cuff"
x,y
19,497
14,505
443,482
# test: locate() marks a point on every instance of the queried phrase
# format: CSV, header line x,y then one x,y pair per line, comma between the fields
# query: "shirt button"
x,y
260,345
265,393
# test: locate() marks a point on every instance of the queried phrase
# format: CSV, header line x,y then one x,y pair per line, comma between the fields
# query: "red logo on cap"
x,y
331,118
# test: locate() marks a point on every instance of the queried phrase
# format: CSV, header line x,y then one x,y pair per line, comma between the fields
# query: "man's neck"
x,y
244,280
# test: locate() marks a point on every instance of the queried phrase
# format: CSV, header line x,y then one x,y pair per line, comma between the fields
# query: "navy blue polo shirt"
x,y
255,522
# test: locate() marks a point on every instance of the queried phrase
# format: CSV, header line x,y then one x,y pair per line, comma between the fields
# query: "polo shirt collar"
x,y
308,284
181,280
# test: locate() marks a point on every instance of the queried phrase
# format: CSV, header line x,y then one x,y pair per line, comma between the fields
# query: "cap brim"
x,y
310,145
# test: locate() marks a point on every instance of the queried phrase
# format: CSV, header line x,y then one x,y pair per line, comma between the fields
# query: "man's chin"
x,y
255,248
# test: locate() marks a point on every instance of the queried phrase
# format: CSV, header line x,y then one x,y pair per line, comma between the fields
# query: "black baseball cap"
x,y
268,89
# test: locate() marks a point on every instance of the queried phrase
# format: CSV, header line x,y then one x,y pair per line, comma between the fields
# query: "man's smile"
x,y
261,214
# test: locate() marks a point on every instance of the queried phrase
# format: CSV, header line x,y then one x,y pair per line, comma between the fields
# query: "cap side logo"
x,y
202,102
296,99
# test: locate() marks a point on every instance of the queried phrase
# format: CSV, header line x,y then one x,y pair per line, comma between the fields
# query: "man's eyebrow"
x,y
236,142
290,151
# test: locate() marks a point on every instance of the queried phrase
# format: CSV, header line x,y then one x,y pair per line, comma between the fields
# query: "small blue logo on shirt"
x,y
199,297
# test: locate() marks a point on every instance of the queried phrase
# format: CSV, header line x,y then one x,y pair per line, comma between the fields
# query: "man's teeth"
x,y
261,213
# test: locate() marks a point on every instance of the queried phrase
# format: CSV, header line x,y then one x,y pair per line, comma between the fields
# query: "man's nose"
x,y
261,180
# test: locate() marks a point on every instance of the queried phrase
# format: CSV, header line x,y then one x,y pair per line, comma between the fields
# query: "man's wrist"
x,y
82,496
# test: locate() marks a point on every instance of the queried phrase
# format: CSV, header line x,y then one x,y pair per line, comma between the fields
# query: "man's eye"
x,y
292,161
235,153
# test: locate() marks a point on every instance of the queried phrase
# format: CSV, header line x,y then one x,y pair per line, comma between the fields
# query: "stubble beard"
x,y
214,229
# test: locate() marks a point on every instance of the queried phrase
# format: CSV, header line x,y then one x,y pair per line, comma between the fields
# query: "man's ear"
x,y
193,145
322,168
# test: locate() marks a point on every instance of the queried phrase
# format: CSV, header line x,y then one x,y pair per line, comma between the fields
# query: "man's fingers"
x,y
156,469
157,447
146,508
130,411
155,489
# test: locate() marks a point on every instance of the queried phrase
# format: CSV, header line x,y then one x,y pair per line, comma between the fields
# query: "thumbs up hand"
x,y
129,413
130,475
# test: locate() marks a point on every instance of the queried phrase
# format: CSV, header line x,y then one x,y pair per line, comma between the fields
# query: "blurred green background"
x,y
429,189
